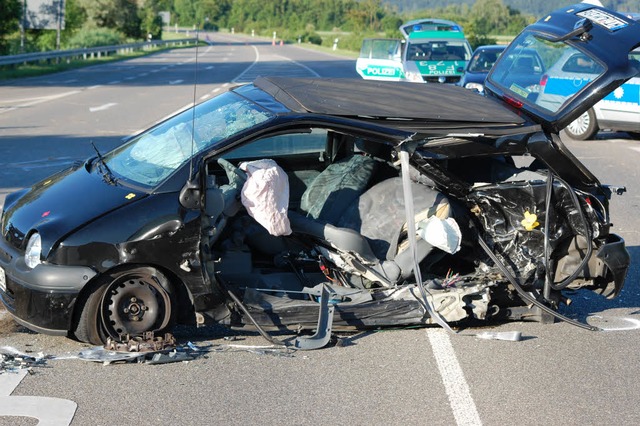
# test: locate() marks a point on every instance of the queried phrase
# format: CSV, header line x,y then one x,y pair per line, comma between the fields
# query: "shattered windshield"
x,y
154,155
545,74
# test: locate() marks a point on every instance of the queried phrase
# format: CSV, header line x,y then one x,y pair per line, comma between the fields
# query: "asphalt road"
x,y
558,374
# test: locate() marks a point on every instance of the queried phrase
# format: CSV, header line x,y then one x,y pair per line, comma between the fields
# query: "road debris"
x,y
148,349
12,360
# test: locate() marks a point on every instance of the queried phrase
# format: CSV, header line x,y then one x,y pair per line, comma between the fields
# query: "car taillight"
x,y
543,80
512,101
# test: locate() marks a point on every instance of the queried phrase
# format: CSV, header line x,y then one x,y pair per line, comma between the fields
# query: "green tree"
x,y
185,12
121,15
489,17
9,21
210,14
151,20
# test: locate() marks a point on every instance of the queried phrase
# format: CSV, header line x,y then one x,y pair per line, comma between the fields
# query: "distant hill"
x,y
536,8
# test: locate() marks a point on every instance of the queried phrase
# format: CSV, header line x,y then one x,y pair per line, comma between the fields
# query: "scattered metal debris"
x,y
148,342
12,360
510,336
274,350
148,349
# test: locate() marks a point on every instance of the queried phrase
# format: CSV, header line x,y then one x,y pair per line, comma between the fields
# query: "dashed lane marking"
x,y
462,404
102,107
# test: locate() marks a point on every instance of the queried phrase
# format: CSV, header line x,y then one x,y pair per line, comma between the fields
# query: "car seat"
x,y
364,232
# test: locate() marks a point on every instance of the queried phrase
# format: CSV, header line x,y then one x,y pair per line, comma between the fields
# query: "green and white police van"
x,y
433,50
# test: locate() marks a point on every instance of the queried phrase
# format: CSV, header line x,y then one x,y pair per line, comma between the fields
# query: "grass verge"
x,y
35,69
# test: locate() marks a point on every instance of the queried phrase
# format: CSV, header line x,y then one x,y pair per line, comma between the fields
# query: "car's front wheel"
x,y
127,302
583,127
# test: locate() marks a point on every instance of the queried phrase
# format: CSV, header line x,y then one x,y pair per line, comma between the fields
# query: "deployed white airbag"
x,y
265,195
442,233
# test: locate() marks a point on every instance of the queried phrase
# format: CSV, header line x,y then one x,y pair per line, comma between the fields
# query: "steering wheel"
x,y
231,191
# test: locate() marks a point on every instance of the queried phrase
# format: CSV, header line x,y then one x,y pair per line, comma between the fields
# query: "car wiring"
x,y
587,230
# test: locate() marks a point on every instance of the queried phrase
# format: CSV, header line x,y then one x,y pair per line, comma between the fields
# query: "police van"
x,y
433,50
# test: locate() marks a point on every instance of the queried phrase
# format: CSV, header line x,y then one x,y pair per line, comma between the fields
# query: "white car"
x,y
619,111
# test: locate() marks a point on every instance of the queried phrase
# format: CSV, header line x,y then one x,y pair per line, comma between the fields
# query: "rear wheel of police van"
x,y
583,127
130,302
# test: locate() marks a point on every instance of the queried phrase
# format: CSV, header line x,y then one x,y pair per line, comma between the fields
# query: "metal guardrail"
x,y
91,52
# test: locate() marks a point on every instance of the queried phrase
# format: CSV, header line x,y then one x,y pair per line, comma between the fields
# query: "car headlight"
x,y
33,251
475,86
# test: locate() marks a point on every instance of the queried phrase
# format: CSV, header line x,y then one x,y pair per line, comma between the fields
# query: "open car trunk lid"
x,y
582,54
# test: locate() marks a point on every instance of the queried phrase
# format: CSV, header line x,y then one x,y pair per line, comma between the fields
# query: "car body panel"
x,y
380,60
620,109
51,208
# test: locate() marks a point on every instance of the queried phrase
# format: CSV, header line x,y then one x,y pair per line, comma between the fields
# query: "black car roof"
x,y
419,103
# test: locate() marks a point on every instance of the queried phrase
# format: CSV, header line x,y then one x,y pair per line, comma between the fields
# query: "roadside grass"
x,y
325,49
37,69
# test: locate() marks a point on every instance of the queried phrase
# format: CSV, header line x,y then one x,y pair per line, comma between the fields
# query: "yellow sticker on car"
x,y
530,221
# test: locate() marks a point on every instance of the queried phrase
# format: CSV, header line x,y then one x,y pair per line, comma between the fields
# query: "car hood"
x,y
551,93
61,204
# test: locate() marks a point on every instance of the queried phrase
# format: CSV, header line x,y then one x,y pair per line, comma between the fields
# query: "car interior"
x,y
347,213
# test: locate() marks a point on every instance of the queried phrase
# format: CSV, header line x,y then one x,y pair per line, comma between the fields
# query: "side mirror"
x,y
190,195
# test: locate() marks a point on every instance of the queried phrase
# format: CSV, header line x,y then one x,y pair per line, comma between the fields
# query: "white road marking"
x,y
203,97
299,64
115,82
614,323
210,67
40,100
176,81
48,411
102,107
94,87
462,404
635,148
9,382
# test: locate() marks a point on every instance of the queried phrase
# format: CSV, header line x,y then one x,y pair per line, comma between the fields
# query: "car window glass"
x,y
483,61
380,49
151,157
454,50
546,74
281,146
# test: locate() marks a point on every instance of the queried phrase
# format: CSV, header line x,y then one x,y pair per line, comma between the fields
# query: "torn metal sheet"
x,y
148,349
12,360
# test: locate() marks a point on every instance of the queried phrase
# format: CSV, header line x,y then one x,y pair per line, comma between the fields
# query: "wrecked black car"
x,y
314,204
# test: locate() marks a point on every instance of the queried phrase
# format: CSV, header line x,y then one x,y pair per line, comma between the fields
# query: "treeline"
x,y
100,22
